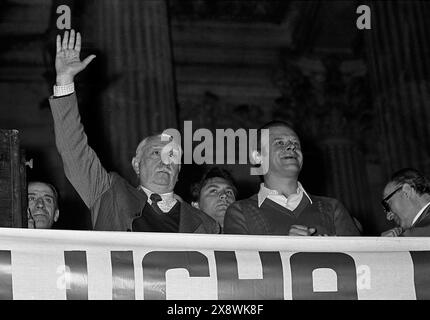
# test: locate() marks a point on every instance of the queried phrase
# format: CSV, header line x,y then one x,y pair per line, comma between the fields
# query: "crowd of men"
x,y
281,207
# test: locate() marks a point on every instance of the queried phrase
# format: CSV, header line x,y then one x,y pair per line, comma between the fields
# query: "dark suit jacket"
x,y
114,203
421,228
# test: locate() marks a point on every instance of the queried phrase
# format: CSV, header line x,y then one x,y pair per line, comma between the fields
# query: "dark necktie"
x,y
155,198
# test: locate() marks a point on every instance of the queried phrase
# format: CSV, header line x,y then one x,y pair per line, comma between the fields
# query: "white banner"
x,y
59,264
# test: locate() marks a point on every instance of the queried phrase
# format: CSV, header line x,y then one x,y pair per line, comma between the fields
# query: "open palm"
x,y
67,61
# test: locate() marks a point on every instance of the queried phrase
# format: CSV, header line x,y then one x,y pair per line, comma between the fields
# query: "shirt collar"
x,y
420,213
165,197
265,192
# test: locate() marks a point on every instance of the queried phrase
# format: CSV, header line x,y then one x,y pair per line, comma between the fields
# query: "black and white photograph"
x,y
217,154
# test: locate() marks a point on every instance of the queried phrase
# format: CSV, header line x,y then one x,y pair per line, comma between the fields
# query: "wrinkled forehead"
x,y
157,141
217,182
40,188
282,132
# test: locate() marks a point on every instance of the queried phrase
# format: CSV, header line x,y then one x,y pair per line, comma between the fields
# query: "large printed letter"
x,y
77,280
230,287
421,260
63,21
363,21
156,263
6,292
304,263
122,275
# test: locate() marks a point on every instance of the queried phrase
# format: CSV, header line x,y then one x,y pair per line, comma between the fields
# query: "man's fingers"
x,y
395,232
88,59
65,40
58,43
72,39
388,234
78,42
300,227
30,224
296,232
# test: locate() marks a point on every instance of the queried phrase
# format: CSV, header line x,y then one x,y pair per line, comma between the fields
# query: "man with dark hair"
x,y
282,206
214,192
406,200
42,209
115,204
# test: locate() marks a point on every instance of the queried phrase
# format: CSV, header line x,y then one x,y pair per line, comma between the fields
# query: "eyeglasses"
x,y
384,201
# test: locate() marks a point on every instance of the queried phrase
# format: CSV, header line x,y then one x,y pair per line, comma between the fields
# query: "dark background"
x,y
358,97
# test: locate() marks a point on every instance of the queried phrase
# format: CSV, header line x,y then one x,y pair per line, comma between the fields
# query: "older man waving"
x,y
115,204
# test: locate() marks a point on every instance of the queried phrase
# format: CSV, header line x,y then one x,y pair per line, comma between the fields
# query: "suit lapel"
x,y
424,218
188,222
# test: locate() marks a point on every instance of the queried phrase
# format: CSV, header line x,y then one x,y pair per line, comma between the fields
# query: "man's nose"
x,y
291,146
40,203
223,195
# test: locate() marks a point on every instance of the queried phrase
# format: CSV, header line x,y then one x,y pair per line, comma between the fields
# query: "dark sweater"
x,y
327,215
152,221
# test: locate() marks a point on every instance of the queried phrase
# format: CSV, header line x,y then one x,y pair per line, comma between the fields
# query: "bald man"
x,y
115,204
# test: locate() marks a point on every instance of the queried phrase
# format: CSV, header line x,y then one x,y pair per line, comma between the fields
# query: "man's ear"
x,y
256,157
408,190
195,204
56,215
135,164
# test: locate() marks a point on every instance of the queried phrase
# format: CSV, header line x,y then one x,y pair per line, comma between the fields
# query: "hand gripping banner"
x,y
59,264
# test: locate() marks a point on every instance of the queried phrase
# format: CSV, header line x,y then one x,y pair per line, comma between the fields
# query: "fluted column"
x,y
398,51
345,177
134,41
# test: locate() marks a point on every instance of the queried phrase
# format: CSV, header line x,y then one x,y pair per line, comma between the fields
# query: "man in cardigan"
x,y
115,204
282,206
406,200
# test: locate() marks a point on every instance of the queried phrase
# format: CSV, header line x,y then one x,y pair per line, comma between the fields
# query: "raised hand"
x,y
67,61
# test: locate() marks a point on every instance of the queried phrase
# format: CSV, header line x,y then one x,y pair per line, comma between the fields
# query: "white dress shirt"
x,y
167,199
291,202
420,213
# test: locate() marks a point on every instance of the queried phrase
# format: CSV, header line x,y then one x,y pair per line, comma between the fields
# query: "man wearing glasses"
x,y
406,200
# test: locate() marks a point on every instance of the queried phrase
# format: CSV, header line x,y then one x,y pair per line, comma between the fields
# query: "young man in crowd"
x,y
214,192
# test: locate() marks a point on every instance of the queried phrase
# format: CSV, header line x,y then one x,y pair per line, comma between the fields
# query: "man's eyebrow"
x,y
212,185
43,195
286,138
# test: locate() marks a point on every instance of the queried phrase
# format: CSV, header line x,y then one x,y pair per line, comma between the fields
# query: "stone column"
x,y
346,177
133,39
398,51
